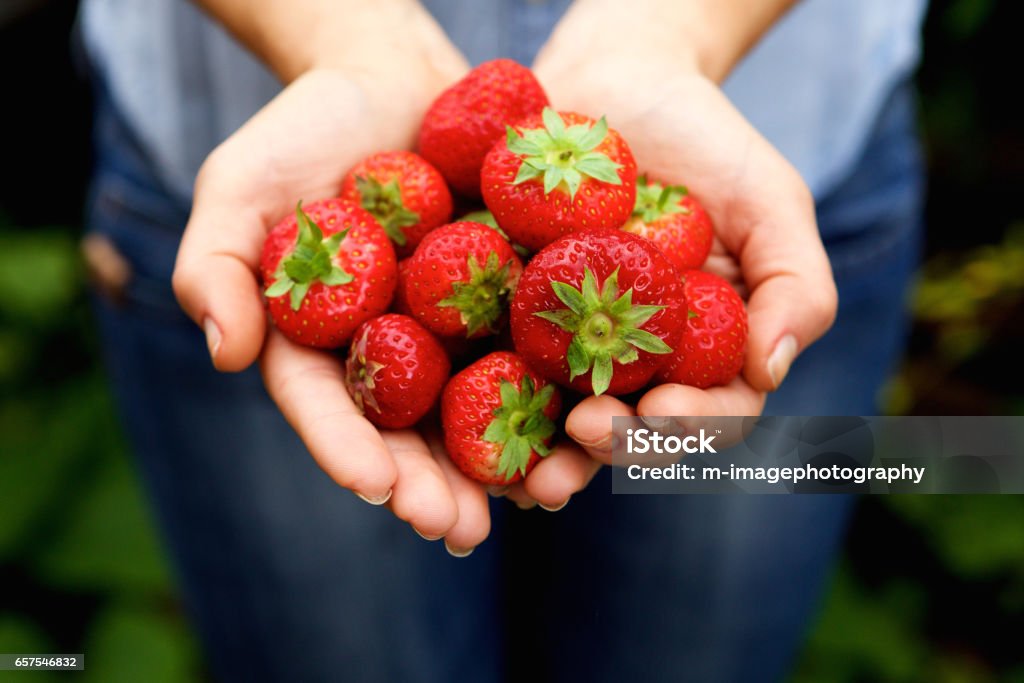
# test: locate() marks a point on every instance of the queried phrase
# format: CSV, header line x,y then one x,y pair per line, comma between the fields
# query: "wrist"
x,y
705,36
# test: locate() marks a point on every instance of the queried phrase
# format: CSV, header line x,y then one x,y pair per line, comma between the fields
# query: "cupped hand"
x,y
683,130
299,147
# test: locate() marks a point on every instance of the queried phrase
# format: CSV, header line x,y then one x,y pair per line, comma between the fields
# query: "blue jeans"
x,y
289,577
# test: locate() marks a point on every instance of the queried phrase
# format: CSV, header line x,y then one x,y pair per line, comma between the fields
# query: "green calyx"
x,y
520,425
385,203
654,201
558,155
481,300
311,260
605,327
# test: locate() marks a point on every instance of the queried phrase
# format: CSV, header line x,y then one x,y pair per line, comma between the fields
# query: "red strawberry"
x,y
598,310
557,173
672,218
713,346
403,192
327,269
498,418
467,119
460,280
395,370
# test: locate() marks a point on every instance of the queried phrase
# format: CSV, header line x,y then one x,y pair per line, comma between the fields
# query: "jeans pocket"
x,y
144,228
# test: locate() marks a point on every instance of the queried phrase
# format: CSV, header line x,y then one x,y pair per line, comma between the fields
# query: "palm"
x,y
683,130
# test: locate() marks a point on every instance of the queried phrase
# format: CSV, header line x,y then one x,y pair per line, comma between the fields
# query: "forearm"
x,y
294,36
713,35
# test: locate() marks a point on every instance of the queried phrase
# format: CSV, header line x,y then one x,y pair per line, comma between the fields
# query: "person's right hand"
x,y
298,147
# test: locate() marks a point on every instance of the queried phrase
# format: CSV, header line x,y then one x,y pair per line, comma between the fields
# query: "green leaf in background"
x,y
46,439
15,353
107,541
977,537
866,636
40,274
19,635
127,642
964,18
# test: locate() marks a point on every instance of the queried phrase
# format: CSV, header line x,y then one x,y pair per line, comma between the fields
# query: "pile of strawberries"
x,y
578,273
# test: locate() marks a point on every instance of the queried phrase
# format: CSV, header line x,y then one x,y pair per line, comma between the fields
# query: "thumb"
x,y
786,312
215,283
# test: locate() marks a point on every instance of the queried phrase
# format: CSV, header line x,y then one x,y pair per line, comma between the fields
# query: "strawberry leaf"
x,y
560,156
606,327
520,426
385,202
310,260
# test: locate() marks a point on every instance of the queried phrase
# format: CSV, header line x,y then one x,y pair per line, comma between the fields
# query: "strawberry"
x,y
498,418
460,279
557,173
714,343
403,192
395,370
599,311
467,119
672,218
455,347
327,269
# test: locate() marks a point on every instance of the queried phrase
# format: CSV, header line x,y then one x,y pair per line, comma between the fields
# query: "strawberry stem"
x,y
562,156
654,200
481,300
384,201
605,327
520,425
311,260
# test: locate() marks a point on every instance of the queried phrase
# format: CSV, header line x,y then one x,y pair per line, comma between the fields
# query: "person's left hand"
x,y
683,130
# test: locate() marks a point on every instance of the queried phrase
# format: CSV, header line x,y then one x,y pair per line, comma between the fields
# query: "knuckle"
x,y
824,303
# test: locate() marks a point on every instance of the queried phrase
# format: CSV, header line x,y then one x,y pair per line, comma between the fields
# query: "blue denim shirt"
x,y
814,85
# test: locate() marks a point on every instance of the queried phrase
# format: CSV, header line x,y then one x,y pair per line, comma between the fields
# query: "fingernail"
x,y
458,552
781,358
655,422
427,538
497,491
557,507
212,336
526,506
375,500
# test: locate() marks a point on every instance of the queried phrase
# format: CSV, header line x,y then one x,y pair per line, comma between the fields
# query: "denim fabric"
x,y
289,577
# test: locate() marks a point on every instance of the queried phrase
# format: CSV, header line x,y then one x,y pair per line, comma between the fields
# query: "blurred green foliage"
x,y
80,568
932,587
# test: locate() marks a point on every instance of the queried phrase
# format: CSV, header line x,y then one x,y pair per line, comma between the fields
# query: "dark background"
x,y
931,588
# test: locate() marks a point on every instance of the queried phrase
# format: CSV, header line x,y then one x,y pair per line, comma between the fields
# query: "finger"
x,y
517,494
474,520
567,470
590,425
736,398
793,297
215,282
421,494
309,388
